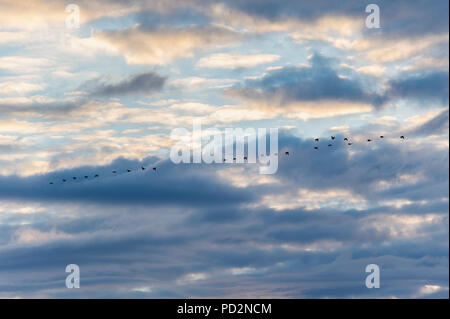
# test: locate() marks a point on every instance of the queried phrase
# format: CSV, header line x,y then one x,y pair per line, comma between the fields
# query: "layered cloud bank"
x,y
105,96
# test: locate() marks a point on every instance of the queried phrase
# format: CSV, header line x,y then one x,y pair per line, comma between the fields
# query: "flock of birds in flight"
x,y
346,140
142,168
86,177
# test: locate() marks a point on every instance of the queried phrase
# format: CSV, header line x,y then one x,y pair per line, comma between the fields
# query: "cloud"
x,y
19,88
41,14
436,125
323,90
315,91
29,235
35,106
20,64
160,46
399,18
233,61
222,239
390,50
144,83
223,230
375,70
342,27
428,63
142,192
428,85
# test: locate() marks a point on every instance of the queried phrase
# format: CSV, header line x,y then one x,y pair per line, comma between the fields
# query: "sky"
x,y
106,96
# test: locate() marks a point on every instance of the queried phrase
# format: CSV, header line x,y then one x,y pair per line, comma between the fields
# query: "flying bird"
x,y
86,176
154,168
350,143
74,178
316,148
402,137
64,180
369,140
345,139
381,136
51,183
286,153
330,144
142,168
114,172
96,175
245,158
128,170
333,137
316,139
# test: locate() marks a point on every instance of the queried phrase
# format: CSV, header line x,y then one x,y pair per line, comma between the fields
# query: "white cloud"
x,y
233,61
161,46
19,64
19,88
34,236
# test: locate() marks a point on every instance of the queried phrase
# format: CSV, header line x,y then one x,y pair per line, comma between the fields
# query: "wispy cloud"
x,y
144,83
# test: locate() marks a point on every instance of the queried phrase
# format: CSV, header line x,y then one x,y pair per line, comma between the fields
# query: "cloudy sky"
x,y
105,96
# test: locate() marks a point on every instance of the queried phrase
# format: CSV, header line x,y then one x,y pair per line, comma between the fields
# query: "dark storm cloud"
x,y
144,83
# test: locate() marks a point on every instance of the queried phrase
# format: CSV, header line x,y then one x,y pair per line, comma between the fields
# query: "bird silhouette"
x,y
381,136
51,183
154,168
286,153
86,176
369,140
64,180
245,158
345,139
316,139
350,143
316,148
96,175
402,137
333,137
330,144
128,170
143,168
114,172
74,178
